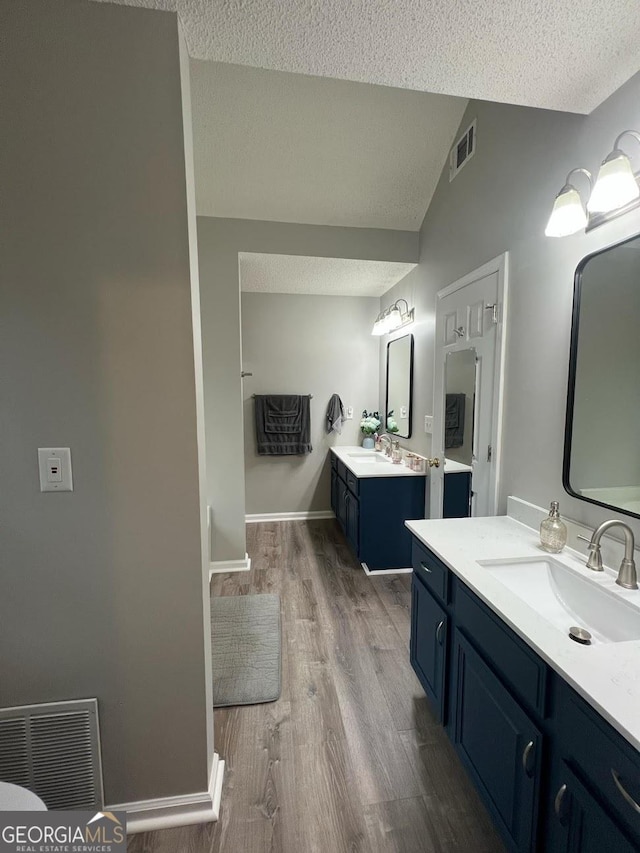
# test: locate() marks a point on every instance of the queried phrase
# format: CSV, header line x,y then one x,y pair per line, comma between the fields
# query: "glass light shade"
x,y
395,319
568,214
615,185
378,327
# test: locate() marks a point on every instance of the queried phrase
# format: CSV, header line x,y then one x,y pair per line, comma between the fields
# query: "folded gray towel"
x,y
454,420
283,424
283,413
335,415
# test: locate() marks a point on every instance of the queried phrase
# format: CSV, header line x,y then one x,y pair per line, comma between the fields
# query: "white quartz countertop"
x,y
607,675
369,463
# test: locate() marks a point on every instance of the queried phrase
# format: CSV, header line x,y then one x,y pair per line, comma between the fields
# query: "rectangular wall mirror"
x,y
460,375
602,449
399,395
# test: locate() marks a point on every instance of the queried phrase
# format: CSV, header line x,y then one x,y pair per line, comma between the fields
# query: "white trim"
x,y
289,516
184,810
219,566
374,572
499,266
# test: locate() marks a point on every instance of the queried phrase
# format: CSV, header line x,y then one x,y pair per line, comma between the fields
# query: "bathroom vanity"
x,y
547,729
372,498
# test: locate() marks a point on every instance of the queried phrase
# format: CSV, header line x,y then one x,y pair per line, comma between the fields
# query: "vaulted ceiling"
x,y
342,112
292,148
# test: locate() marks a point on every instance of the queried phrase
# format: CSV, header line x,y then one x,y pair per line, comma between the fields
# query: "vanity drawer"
x,y
352,482
431,570
334,460
341,468
506,653
600,755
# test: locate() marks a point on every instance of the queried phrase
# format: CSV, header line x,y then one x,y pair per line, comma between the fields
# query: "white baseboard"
x,y
374,572
167,812
288,516
219,566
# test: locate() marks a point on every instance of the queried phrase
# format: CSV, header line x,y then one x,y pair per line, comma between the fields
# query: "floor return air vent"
x,y
54,751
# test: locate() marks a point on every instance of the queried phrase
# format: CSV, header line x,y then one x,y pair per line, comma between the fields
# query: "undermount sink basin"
x,y
565,598
370,457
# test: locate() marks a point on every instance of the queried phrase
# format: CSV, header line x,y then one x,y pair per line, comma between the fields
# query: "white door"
x,y
470,321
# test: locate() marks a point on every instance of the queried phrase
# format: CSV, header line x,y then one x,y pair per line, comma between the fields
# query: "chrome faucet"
x,y
627,576
389,440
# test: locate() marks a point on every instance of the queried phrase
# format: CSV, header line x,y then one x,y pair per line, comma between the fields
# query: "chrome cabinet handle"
x,y
557,805
626,795
439,631
426,568
525,757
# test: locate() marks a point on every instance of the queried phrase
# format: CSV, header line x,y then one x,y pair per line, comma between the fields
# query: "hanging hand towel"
x,y
283,424
335,415
454,420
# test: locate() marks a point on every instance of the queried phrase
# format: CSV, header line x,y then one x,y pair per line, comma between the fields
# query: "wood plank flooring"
x,y
349,758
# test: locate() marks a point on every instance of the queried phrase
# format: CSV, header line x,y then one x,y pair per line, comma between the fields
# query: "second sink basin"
x,y
370,457
565,598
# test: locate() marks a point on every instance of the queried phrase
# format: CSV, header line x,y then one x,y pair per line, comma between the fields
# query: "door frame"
x,y
499,265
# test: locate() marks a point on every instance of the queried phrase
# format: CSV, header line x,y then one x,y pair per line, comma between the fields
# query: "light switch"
x,y
428,424
54,464
349,413
403,412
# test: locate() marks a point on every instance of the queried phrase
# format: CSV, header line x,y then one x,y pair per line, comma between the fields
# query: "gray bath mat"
x,y
245,649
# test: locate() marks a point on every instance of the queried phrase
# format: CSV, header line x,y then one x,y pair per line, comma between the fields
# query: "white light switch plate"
x,y
54,464
428,424
349,413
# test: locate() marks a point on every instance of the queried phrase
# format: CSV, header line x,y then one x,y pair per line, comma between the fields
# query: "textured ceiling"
x,y
292,148
261,273
557,54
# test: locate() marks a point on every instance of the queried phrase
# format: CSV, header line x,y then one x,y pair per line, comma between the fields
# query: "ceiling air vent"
x,y
463,150
54,751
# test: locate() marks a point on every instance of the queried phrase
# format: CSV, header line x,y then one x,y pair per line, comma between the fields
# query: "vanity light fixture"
x,y
568,214
616,185
616,191
393,318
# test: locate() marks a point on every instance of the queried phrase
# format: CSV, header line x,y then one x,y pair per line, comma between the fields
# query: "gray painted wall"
x,y
501,201
317,345
101,587
219,241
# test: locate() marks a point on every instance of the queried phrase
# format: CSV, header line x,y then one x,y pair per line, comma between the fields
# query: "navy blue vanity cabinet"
x,y
372,511
554,775
577,822
429,645
498,744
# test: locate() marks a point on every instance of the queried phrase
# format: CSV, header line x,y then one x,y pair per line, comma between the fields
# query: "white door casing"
x,y
467,319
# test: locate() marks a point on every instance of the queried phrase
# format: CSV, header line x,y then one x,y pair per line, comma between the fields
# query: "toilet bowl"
x,y
13,798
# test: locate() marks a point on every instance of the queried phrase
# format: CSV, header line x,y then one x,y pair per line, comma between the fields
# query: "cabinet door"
x,y
457,495
428,645
353,522
334,491
576,821
499,746
341,504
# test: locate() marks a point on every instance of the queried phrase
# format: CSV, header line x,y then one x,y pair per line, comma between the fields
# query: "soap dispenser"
x,y
553,531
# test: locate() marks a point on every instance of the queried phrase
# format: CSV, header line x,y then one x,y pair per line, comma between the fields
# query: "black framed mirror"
x,y
602,446
399,395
